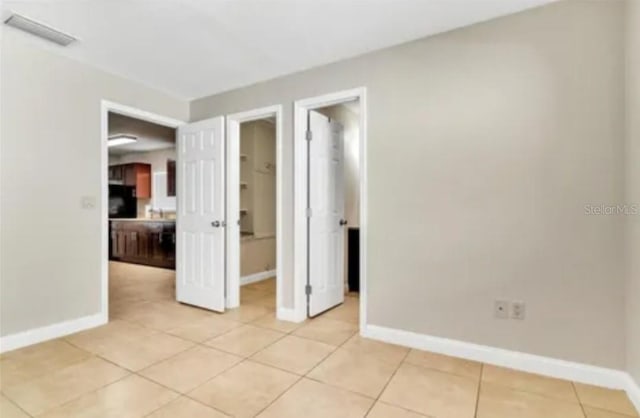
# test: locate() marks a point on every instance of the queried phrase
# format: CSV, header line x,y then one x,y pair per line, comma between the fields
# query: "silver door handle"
x,y
215,224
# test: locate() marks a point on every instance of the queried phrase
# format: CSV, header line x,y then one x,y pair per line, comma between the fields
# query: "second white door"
x,y
327,211
200,188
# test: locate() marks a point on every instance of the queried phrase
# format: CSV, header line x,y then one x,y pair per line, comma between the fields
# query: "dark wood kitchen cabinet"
x,y
133,174
171,177
116,173
150,243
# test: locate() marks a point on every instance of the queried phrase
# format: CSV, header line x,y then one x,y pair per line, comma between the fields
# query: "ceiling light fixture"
x,y
121,139
39,29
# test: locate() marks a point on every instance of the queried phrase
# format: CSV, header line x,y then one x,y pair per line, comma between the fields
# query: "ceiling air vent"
x,y
39,30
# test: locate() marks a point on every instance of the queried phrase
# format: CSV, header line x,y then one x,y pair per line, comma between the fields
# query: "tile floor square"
x,y
605,399
383,410
270,321
186,408
357,372
143,352
131,397
247,313
205,328
390,353
600,413
244,390
245,341
431,392
446,364
547,386
51,390
191,368
502,402
22,365
294,354
328,331
310,399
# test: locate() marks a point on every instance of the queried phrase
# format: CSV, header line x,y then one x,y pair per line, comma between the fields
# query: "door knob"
x,y
215,224
343,222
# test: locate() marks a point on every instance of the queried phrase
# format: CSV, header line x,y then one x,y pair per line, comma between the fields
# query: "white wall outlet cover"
x,y
501,309
518,310
88,202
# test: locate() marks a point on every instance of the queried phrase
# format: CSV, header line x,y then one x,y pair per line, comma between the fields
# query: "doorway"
x,y
330,203
254,205
139,207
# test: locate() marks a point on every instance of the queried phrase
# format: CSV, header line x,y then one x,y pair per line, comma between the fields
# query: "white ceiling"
x,y
194,48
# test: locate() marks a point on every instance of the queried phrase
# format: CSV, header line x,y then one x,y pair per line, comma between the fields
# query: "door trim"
x,y
300,109
233,200
107,106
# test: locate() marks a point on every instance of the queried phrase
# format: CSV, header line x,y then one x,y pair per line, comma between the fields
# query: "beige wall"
x,y
484,146
258,144
633,186
49,158
257,255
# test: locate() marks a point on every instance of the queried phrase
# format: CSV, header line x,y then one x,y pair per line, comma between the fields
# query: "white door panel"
x,y
326,200
200,188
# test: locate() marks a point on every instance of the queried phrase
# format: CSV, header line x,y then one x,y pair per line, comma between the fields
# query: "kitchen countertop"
x,y
141,220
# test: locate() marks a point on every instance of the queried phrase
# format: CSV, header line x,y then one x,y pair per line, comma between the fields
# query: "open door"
x,y
200,189
326,217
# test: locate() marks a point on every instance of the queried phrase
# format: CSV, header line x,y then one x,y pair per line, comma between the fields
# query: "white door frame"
x,y
300,108
107,106
233,200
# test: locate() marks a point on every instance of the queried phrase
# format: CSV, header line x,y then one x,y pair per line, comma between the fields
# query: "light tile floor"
x,y
158,358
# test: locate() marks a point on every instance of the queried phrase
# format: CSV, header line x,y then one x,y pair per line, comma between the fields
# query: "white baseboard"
x,y
633,390
290,315
257,277
561,369
49,332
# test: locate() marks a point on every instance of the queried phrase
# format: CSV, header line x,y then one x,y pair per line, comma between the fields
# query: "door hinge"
x,y
309,136
308,212
307,289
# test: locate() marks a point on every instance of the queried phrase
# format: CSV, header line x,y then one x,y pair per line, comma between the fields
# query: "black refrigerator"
x,y
122,201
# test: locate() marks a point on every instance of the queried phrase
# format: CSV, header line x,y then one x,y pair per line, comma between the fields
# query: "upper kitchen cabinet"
x,y
134,174
139,175
116,173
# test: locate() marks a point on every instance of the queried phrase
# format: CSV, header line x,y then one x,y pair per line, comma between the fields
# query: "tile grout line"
x,y
575,391
377,399
475,413
15,404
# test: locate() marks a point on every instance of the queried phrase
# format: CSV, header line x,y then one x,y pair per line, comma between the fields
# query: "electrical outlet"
x,y
518,310
501,309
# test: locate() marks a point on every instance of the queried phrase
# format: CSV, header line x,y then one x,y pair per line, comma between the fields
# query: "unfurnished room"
x,y
329,208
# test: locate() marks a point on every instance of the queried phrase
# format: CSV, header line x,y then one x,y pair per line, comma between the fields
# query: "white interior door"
x,y
200,188
326,217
